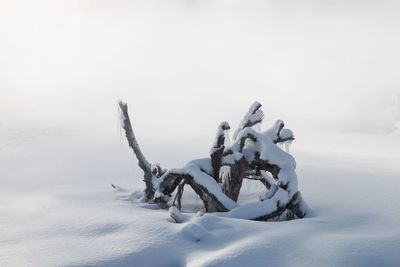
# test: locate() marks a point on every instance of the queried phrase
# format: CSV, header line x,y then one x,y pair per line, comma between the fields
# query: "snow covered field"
x,y
329,69
58,208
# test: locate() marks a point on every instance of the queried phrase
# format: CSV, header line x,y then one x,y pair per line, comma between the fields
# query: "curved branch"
x,y
278,134
253,116
143,163
202,183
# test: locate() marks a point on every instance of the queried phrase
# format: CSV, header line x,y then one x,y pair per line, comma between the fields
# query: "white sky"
x,y
315,64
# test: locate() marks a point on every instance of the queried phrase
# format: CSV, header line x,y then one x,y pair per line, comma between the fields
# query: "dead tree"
x,y
217,180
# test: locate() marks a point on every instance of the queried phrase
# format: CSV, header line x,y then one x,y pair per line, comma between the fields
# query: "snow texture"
x,y
175,214
58,209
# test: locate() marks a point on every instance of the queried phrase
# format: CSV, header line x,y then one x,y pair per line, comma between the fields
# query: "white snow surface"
x,y
258,209
58,208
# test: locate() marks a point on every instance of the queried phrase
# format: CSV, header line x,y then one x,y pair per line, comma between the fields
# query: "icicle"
x,y
225,176
287,146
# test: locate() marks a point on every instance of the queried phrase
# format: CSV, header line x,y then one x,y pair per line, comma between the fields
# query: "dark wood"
x,y
162,184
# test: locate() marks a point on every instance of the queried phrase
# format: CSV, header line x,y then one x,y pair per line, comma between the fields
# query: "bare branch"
x,y
143,163
217,180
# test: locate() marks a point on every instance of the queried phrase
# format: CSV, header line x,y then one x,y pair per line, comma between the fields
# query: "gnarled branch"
x,y
217,180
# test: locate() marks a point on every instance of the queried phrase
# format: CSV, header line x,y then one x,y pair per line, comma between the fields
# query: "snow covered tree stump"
x,y
217,180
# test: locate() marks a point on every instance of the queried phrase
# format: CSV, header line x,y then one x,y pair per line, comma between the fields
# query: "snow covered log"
x,y
217,180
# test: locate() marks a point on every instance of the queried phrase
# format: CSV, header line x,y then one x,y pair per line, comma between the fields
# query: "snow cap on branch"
x,y
253,116
222,129
217,180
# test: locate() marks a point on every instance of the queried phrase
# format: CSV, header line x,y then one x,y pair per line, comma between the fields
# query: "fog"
x,y
184,66
329,69
315,64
